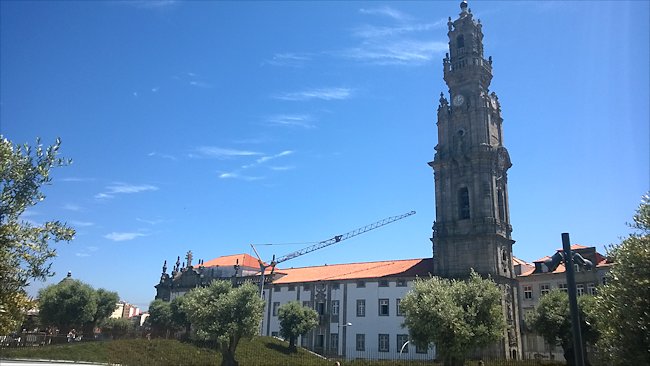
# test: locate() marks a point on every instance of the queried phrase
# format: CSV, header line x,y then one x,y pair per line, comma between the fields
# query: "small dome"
x,y
463,4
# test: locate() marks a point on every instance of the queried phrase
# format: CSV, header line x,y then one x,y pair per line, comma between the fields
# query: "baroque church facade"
x,y
359,303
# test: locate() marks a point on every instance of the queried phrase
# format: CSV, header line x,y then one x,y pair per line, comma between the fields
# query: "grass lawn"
x,y
261,351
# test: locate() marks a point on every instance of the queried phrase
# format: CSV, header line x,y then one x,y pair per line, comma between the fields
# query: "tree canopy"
x,y
552,320
623,303
74,304
25,249
296,320
225,314
160,317
457,316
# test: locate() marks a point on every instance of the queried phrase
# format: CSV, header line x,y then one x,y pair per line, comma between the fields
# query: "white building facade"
x,y
358,306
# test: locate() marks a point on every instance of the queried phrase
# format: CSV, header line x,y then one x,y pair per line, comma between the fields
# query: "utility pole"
x,y
573,301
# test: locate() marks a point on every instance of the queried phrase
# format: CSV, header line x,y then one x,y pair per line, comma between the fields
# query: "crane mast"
x,y
323,244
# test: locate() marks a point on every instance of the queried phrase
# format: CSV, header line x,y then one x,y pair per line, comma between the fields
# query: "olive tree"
x,y
296,320
456,315
623,303
551,319
25,251
66,305
225,314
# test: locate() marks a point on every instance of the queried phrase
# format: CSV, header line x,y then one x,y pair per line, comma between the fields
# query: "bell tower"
x,y
472,227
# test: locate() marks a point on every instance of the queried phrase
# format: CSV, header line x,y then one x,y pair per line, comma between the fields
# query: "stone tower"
x,y
472,227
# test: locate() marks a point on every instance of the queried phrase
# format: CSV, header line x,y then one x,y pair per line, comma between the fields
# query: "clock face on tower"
x,y
459,100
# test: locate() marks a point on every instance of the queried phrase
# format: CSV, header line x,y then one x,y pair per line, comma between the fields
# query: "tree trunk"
x,y
228,352
292,344
454,361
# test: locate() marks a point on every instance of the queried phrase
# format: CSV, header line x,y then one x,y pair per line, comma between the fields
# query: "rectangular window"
x,y
401,340
384,308
320,341
335,286
528,292
320,308
334,342
305,340
335,307
576,267
306,287
563,287
361,284
398,307
421,349
384,342
591,289
361,342
580,289
383,283
401,283
274,334
361,307
277,288
276,305
544,289
292,287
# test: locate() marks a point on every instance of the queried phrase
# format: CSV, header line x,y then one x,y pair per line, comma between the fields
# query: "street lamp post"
x,y
339,345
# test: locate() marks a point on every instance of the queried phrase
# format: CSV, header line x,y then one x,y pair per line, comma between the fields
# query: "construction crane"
x,y
322,244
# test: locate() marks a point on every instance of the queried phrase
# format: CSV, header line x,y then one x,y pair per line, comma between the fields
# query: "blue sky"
x,y
211,125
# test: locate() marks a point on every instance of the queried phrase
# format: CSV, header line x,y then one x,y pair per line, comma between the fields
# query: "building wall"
x,y
534,345
333,325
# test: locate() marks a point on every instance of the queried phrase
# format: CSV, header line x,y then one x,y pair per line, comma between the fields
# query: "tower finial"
x,y
463,6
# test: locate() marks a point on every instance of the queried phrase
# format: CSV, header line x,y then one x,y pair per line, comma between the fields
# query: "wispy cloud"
x,y
115,236
81,223
164,156
292,120
237,174
151,222
123,188
320,93
82,254
265,159
404,52
386,11
200,84
72,207
289,59
406,42
76,179
192,79
221,153
282,168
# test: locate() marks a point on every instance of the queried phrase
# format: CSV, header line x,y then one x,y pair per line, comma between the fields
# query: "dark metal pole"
x,y
573,300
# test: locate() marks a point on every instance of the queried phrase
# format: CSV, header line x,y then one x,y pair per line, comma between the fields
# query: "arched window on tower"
x,y
460,41
463,203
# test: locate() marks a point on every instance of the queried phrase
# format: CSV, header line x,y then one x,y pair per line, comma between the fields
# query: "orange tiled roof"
x,y
517,261
352,271
245,260
599,261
